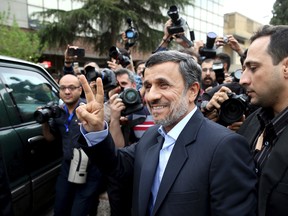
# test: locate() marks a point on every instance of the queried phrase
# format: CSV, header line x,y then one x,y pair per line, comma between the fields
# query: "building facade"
x,y
202,16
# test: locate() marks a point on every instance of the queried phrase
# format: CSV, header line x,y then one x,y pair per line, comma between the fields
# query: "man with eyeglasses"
x,y
77,199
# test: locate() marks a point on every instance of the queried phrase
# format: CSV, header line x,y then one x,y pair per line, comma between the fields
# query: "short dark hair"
x,y
225,58
277,47
122,71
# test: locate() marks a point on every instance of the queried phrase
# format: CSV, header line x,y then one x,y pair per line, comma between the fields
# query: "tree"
x,y
100,22
280,13
18,43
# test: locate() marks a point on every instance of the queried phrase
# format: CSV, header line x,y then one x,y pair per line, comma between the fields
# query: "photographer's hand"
x,y
69,59
236,125
218,98
116,106
91,114
234,44
113,65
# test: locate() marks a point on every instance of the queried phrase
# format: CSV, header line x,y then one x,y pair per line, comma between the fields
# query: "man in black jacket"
x,y
265,78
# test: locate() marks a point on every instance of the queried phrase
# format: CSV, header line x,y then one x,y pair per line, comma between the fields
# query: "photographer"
x,y
126,127
72,197
212,105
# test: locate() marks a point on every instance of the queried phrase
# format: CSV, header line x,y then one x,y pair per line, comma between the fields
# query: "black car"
x,y
31,163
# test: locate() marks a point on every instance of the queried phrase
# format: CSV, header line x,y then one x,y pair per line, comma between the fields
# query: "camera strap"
x,y
69,119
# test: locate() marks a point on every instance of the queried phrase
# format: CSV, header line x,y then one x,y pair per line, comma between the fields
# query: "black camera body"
x,y
178,22
209,51
132,101
218,68
108,77
121,59
233,109
131,32
51,110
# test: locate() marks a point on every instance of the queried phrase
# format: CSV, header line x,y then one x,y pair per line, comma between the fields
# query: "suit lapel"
x,y
178,157
147,175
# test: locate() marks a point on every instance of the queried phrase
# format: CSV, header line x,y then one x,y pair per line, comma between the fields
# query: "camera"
x,y
79,52
132,101
179,25
51,110
131,34
236,75
108,77
218,68
225,39
233,109
121,59
209,51
178,22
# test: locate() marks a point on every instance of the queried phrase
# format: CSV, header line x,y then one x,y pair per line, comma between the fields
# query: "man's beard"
x,y
178,110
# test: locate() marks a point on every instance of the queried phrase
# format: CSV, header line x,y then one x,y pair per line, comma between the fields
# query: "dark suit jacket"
x,y
273,182
210,171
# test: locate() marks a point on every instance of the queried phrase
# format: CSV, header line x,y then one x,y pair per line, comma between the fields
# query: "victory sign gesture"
x,y
91,114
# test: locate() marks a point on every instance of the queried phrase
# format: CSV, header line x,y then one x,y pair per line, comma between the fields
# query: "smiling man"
x,y
184,165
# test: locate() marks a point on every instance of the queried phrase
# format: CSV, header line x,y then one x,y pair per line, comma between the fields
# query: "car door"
x,y
32,163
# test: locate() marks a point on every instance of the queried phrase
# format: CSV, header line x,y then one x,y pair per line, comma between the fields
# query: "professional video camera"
x,y
131,34
50,110
179,25
108,77
233,109
209,51
121,59
218,68
132,101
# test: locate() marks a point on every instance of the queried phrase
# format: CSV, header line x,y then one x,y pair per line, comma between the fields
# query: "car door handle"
x,y
35,139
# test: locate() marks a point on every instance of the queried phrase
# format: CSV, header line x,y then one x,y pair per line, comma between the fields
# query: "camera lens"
x,y
231,110
42,115
130,34
130,96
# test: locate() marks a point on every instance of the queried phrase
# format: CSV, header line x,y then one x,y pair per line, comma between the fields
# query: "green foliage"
x,y
280,13
17,43
100,22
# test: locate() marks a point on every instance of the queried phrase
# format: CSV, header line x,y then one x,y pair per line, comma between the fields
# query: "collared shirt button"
x,y
266,143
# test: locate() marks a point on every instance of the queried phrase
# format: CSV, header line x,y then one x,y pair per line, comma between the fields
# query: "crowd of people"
x,y
195,140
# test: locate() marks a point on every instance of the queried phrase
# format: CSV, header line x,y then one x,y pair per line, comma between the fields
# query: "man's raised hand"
x,y
91,114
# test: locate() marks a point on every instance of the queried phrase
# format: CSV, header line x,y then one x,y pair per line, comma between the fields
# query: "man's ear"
x,y
193,91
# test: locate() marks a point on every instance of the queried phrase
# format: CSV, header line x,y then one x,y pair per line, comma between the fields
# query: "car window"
x,y
29,90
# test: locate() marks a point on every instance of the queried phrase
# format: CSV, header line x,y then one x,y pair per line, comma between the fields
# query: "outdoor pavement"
x,y
103,208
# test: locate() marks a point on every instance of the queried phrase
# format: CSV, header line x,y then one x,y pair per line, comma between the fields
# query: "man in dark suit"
x,y
184,165
265,78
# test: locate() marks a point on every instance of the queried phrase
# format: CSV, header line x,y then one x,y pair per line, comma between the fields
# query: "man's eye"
x,y
253,68
164,85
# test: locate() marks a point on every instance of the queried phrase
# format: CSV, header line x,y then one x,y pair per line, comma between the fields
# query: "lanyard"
x,y
69,119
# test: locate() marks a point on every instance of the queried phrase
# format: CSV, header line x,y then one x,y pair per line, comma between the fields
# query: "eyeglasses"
x,y
70,88
207,69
